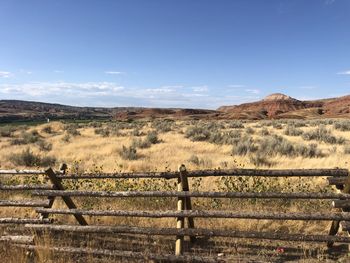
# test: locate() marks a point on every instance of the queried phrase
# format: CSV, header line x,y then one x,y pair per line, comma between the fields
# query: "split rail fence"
x,y
49,192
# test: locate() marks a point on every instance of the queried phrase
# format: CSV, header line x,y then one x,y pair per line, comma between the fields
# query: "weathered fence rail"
x,y
185,211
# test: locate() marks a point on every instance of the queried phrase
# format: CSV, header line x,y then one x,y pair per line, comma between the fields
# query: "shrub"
x,y
66,138
260,160
310,151
194,159
128,153
95,124
197,133
104,132
44,146
47,129
28,158
244,146
249,130
264,132
277,125
26,138
235,125
291,130
347,149
6,131
139,143
322,134
342,125
163,126
72,129
152,137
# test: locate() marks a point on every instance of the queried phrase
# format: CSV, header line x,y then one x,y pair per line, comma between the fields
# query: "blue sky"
x,y
173,53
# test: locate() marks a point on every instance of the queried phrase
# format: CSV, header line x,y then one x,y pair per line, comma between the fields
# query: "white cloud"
x,y
236,86
347,72
114,72
203,88
5,74
39,89
111,94
253,91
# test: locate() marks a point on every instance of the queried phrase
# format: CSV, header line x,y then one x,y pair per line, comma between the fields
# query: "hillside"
x,y
16,110
277,106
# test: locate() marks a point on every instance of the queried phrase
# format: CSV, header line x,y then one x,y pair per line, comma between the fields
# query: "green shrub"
x,y
244,146
128,153
29,159
322,134
47,129
260,160
27,138
139,143
235,125
249,130
347,149
342,125
72,129
291,130
104,132
152,137
6,131
44,146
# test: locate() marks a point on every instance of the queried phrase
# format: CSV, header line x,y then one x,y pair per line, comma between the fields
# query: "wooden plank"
x,y
202,214
188,203
22,172
267,195
25,187
18,239
218,172
341,204
24,203
180,222
68,201
24,221
125,254
283,236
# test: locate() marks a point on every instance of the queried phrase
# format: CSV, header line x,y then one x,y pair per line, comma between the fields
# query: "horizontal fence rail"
x,y
267,195
204,214
25,187
22,172
208,173
190,232
24,203
24,221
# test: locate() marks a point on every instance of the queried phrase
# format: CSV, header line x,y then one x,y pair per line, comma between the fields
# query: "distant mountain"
x,y
274,106
17,110
277,106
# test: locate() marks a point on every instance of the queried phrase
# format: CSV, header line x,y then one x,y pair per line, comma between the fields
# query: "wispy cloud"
x,y
235,86
347,72
5,74
252,91
329,2
114,72
111,94
203,88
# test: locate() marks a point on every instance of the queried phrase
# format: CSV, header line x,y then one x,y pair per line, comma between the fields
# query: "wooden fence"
x,y
44,207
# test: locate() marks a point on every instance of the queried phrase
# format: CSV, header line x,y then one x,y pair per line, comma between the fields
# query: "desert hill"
x,y
274,106
277,105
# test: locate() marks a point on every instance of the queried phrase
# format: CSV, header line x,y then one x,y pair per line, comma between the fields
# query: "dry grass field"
x,y
164,145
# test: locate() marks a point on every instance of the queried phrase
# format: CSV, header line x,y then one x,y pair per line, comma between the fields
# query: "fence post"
x,y
63,168
345,189
188,204
68,201
180,222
